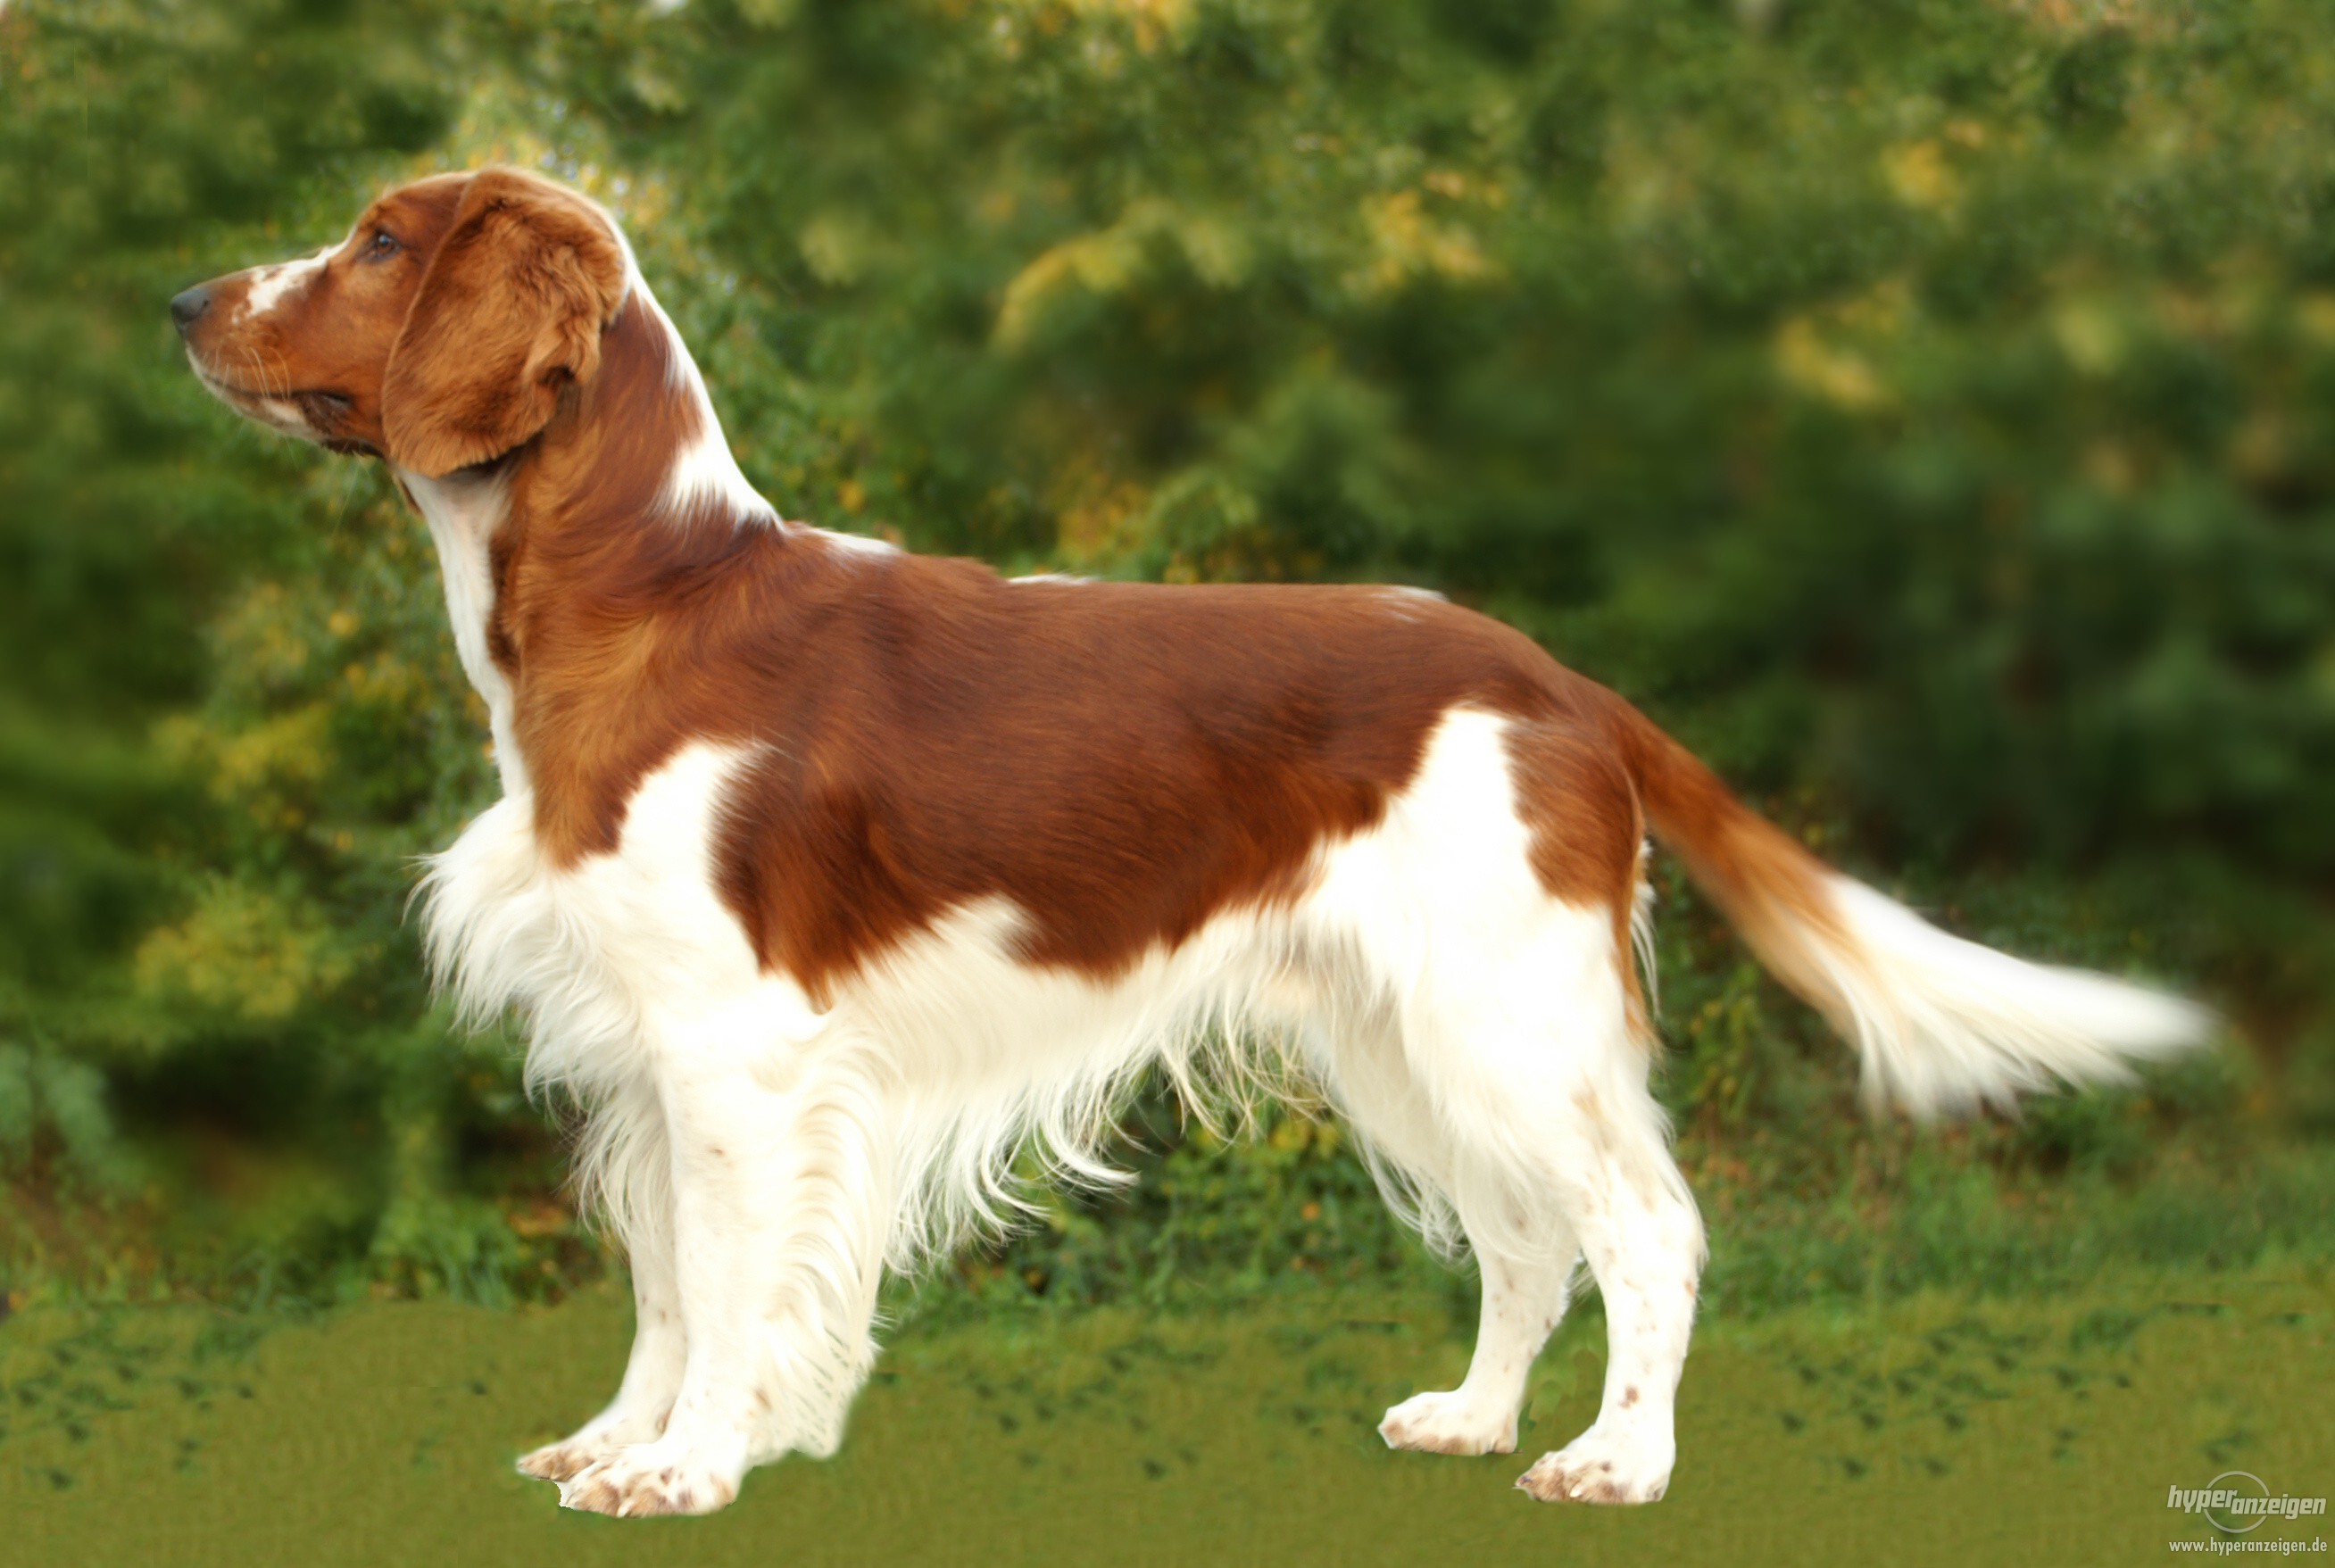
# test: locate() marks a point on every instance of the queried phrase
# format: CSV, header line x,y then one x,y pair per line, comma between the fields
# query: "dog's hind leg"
x,y
1524,1289
1521,1096
1541,1074
1523,1302
1556,1143
1645,1242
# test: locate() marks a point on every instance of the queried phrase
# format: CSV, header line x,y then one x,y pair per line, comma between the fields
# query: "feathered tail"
x,y
1942,1025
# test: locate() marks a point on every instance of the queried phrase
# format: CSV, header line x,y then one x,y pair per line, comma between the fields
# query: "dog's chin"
x,y
309,416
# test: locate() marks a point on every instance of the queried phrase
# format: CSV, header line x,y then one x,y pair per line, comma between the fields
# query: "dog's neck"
x,y
636,454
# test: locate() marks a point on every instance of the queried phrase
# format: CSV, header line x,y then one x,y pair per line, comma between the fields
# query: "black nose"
x,y
186,309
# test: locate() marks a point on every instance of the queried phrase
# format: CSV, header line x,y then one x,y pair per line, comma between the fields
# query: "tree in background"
x,y
1924,409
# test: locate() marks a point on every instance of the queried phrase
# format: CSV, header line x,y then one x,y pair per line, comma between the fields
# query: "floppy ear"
x,y
509,312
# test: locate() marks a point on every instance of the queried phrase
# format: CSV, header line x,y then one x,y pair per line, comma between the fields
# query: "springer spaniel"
x,y
829,875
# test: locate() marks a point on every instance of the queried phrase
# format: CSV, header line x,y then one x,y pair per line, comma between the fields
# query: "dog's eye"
x,y
385,244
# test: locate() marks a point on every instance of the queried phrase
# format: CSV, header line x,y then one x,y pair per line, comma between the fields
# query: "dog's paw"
x,y
601,1438
1600,1466
650,1478
562,1460
1448,1424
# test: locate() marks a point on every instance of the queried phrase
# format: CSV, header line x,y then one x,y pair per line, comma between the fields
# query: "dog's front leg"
x,y
636,1163
782,1206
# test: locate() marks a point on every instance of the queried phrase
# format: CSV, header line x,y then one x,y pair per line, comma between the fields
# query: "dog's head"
x,y
440,333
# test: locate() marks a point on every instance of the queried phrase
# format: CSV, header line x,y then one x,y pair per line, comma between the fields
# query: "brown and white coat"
x,y
830,875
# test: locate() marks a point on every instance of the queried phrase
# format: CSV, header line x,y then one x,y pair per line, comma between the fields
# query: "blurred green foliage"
x,y
1926,408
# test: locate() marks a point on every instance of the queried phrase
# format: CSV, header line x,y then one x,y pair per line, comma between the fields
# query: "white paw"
x,y
558,1461
1448,1424
659,1477
1604,1466
596,1439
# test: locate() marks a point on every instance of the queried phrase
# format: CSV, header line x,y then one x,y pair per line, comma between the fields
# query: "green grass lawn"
x,y
1930,1431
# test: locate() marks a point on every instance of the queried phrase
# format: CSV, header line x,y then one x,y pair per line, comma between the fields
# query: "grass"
x,y
1935,1428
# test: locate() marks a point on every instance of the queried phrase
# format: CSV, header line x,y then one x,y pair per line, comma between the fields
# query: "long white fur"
x,y
1943,1025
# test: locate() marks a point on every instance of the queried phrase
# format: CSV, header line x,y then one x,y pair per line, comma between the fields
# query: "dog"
x,y
829,875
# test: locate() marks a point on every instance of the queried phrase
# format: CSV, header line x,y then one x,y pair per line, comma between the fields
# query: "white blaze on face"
x,y
273,282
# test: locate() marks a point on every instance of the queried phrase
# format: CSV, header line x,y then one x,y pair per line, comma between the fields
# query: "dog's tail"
x,y
1942,1025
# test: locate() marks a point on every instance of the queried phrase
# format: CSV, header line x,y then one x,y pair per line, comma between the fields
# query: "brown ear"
x,y
509,312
